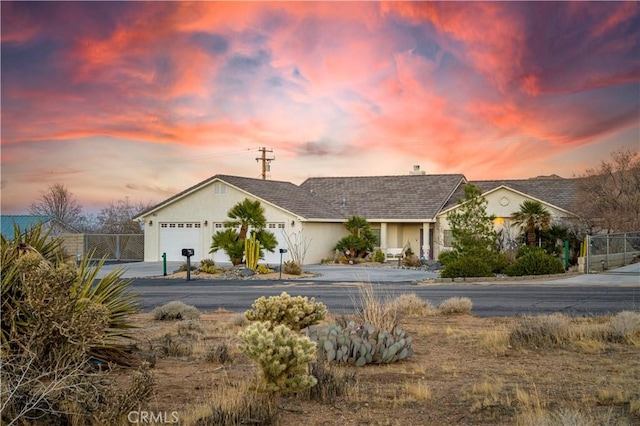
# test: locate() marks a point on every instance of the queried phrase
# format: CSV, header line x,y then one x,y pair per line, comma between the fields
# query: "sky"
x,y
145,99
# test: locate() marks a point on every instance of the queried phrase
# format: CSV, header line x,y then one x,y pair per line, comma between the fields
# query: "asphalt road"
x,y
488,299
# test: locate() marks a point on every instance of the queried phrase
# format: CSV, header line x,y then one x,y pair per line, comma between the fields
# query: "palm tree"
x,y
533,217
247,214
228,241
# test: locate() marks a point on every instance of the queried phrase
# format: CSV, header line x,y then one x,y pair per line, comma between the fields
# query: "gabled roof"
x,y
558,192
406,197
284,195
24,223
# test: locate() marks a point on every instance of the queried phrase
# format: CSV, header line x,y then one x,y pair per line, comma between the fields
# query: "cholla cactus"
x,y
281,354
296,313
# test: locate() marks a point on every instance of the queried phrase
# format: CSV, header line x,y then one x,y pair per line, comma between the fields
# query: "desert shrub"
x,y
263,269
466,266
175,310
219,353
176,346
208,266
189,328
291,267
455,306
331,382
281,354
68,393
183,267
534,261
624,327
239,320
411,261
540,331
294,312
446,257
377,310
412,304
379,256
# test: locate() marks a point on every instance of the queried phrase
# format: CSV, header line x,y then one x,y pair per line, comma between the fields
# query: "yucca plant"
x,y
59,309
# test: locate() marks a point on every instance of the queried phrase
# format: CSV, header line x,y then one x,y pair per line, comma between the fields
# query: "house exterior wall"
x,y
208,204
501,203
323,237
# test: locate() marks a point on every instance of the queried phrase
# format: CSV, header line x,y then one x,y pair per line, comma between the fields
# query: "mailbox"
x,y
187,252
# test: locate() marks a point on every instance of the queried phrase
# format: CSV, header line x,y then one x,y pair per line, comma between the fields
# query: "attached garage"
x,y
175,236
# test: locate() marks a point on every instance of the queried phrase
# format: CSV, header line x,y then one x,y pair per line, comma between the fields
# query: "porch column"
x,y
426,247
383,236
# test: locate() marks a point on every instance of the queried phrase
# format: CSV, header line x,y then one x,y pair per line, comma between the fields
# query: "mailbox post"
x,y
282,251
188,253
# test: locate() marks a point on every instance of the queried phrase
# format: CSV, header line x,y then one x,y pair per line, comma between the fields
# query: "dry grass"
x,y
377,310
587,334
455,306
240,403
464,371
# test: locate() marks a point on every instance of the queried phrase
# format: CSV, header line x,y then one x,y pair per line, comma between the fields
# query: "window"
x,y
189,225
196,225
218,226
281,226
172,225
163,225
219,188
181,225
376,233
448,238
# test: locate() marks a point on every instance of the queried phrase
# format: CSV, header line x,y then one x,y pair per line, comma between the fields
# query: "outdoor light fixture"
x,y
206,223
293,223
150,222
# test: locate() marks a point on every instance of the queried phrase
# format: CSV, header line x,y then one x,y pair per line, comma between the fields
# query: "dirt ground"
x,y
461,373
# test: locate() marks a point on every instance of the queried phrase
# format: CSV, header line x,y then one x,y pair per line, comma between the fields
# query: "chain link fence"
x,y
609,251
112,247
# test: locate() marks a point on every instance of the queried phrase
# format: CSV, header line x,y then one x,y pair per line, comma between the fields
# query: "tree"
x,y
533,218
117,217
59,202
360,241
248,215
471,227
609,195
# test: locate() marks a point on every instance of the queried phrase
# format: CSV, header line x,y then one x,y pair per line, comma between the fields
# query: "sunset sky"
x,y
144,99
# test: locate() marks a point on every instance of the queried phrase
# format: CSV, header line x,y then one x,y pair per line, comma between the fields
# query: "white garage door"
x,y
177,236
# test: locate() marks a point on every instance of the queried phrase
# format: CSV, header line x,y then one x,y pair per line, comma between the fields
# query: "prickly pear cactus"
x,y
360,345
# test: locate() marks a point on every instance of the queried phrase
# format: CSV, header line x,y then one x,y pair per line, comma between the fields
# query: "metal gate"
x,y
608,251
121,247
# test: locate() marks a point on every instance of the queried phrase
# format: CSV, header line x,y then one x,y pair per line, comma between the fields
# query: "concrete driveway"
x,y
627,275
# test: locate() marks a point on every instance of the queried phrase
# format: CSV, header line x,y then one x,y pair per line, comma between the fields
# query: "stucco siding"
x,y
323,237
207,206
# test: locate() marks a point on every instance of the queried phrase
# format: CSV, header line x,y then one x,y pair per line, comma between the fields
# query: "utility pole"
x,y
265,161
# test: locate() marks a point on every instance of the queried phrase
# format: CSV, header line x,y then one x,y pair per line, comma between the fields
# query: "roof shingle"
x,y
417,197
555,191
